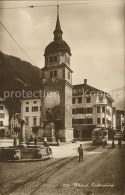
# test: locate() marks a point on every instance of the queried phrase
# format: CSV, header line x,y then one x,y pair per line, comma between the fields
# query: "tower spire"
x,y
58,32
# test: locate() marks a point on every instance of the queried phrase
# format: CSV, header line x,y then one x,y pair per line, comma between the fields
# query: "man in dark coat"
x,y
80,151
119,142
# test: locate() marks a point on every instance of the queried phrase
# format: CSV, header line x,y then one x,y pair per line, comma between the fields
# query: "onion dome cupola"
x,y
58,49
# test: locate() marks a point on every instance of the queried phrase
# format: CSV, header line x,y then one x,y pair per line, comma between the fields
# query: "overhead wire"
x,y
63,4
16,42
39,6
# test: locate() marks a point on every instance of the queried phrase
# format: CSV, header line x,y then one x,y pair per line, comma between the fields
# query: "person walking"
x,y
80,151
103,143
113,144
119,142
15,141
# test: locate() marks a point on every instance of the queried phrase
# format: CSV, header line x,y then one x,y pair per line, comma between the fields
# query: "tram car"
x,y
119,135
98,134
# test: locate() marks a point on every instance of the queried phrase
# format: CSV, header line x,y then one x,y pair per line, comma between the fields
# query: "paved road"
x,y
101,173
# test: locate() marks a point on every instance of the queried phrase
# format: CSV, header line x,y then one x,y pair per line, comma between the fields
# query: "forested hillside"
x,y
16,75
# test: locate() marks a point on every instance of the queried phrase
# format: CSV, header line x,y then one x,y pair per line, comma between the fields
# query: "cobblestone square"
x,y
102,172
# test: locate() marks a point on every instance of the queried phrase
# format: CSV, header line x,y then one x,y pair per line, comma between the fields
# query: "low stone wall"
x,y
7,142
16,153
31,153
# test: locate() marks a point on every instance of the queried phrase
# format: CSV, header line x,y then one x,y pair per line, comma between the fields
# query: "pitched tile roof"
x,y
85,89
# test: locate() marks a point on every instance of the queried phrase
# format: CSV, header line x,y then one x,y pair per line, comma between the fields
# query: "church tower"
x,y
57,84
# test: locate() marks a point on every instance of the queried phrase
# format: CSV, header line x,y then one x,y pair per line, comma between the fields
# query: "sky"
x,y
94,30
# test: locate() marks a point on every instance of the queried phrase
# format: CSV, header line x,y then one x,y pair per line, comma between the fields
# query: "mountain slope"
x,y
14,71
17,75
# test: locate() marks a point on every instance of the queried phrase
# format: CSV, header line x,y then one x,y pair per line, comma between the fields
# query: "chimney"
x,y
85,81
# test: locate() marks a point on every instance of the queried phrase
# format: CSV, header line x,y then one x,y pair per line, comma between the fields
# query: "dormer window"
x,y
100,99
88,99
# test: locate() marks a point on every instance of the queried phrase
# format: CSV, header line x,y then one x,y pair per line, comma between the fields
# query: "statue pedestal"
x,y
49,132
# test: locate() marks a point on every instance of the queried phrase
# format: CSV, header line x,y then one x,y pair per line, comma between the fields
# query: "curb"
x,y
27,160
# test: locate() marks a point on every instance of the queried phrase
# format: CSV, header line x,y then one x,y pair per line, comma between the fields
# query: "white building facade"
x,y
120,120
90,108
14,124
31,113
4,119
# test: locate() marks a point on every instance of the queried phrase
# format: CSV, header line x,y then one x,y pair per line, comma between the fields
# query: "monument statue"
x,y
50,116
49,131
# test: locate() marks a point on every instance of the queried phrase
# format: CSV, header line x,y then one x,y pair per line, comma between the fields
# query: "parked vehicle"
x,y
99,134
119,135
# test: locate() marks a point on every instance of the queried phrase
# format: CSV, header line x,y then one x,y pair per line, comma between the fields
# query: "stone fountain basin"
x,y
24,154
